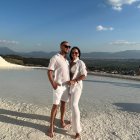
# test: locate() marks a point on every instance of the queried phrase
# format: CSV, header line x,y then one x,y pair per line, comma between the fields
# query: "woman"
x,y
78,72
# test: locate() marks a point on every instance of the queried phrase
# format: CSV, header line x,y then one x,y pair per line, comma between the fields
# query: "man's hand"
x,y
55,85
51,79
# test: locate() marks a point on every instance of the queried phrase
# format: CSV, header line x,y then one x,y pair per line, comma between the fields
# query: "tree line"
x,y
116,66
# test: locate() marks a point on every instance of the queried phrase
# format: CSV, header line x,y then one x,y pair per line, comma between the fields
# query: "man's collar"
x,y
60,54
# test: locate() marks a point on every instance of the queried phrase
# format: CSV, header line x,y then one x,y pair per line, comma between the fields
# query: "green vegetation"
x,y
116,66
43,62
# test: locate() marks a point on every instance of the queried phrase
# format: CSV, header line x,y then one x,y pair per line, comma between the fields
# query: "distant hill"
x,y
6,51
34,54
38,54
128,54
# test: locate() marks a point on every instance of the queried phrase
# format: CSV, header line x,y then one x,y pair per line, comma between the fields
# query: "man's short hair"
x,y
63,42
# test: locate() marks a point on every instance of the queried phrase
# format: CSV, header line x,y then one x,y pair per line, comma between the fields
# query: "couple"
x,y
66,81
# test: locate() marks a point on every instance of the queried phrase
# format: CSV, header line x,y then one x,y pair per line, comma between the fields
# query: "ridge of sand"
x,y
7,65
137,78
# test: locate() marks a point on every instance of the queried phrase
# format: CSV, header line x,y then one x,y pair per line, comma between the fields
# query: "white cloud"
x,y
101,28
117,4
8,42
117,8
123,42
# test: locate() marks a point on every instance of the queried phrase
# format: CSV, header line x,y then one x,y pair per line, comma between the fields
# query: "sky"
x,y
92,25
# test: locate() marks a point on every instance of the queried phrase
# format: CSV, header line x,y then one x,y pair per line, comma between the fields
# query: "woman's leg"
x,y
75,96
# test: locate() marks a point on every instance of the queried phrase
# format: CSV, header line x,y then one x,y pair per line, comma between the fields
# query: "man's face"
x,y
65,47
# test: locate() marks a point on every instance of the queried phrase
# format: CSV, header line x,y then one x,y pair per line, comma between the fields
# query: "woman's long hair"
x,y
72,51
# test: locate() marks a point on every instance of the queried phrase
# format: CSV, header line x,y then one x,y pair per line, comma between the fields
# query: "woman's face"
x,y
74,54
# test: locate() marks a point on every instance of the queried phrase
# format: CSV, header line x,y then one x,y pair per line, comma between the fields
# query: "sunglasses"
x,y
68,47
75,53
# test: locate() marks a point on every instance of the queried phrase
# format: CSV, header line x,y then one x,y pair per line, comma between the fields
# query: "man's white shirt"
x,y
60,66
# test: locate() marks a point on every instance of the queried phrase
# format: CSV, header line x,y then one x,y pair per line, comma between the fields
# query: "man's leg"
x,y
53,115
62,110
64,100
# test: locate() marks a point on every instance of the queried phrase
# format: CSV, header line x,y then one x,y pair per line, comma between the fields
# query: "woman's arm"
x,y
81,77
76,80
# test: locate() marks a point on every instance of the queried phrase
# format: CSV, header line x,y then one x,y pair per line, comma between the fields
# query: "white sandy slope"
x,y
6,65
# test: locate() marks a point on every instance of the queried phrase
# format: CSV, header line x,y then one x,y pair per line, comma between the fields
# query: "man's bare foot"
x,y
50,134
63,124
77,136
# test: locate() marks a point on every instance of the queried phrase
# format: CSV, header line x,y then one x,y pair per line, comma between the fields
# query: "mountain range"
x,y
128,54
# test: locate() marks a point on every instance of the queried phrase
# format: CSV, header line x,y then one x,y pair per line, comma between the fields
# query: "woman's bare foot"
x,y
77,136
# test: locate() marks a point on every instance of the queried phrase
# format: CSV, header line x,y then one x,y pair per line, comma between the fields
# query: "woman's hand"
x,y
71,82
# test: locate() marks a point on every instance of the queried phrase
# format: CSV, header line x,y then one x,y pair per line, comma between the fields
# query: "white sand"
x,y
107,115
4,64
21,121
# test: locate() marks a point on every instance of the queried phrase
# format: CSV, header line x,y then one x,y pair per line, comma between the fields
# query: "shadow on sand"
x,y
130,107
40,127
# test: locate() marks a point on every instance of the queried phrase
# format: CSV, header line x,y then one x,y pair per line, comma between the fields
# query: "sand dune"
x,y
6,65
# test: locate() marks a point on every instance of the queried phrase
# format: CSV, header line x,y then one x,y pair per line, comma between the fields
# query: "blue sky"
x,y
93,25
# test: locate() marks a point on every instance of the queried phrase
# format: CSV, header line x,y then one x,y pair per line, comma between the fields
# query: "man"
x,y
58,74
